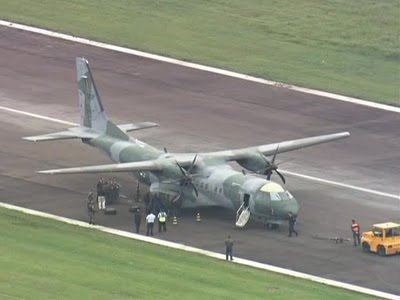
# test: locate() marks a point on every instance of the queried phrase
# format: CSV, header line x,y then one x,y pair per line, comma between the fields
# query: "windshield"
x,y
281,196
377,231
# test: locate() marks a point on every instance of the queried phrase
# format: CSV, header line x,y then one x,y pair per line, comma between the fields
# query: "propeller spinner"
x,y
271,167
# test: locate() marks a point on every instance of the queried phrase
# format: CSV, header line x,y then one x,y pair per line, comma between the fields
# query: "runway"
x,y
200,111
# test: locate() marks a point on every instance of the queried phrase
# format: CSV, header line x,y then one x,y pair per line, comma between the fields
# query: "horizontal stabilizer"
x,y
71,133
137,126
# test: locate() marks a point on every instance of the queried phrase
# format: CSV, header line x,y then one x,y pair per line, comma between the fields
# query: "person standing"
x,y
162,221
355,228
90,196
229,247
138,219
150,223
147,200
292,222
91,207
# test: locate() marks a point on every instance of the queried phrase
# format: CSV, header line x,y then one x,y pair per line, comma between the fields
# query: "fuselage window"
x,y
207,186
201,185
216,189
220,190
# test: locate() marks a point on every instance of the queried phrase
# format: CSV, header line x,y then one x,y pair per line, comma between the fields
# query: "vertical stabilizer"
x,y
90,106
91,109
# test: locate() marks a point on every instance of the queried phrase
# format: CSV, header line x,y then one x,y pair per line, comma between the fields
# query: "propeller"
x,y
272,167
187,176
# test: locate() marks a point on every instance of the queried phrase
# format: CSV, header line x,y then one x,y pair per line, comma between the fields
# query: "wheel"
x,y
365,247
381,251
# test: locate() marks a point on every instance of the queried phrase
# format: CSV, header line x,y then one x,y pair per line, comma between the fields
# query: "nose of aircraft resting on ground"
x,y
275,201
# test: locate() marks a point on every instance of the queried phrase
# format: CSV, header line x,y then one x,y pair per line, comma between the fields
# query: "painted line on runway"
x,y
286,172
173,245
341,184
36,116
198,66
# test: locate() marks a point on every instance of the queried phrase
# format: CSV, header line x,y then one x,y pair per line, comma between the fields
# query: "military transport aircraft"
x,y
191,179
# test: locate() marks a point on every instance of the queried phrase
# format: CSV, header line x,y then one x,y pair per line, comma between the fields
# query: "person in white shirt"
x,y
150,223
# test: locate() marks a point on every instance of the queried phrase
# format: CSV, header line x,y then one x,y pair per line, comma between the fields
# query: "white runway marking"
x,y
36,116
342,184
198,66
286,172
240,261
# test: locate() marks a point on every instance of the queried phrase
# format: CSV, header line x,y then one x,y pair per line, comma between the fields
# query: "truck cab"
x,y
384,239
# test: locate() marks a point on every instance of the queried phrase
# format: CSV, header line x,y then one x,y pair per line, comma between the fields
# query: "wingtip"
x,y
46,172
29,138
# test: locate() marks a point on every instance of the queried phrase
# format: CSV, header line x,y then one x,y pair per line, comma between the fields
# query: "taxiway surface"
x,y
200,111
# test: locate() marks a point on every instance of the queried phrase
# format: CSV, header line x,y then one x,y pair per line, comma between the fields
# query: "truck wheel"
x,y
381,251
365,247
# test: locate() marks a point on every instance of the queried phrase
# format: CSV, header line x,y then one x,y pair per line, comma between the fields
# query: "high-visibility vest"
x,y
355,227
162,218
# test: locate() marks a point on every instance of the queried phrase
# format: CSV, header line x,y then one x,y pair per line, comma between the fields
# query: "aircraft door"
x,y
243,214
246,200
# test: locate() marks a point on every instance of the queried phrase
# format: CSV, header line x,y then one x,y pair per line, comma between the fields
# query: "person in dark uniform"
x,y
90,196
146,200
292,222
138,219
229,247
100,186
91,207
355,228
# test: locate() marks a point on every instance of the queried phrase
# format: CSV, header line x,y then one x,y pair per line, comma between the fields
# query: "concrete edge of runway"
x,y
198,66
237,260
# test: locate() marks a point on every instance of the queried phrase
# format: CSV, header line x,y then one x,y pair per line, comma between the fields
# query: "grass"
x,y
350,47
46,259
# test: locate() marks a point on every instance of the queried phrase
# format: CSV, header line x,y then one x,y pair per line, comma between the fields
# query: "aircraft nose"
x,y
292,207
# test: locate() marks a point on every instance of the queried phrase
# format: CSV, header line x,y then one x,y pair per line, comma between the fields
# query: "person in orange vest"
x,y
355,228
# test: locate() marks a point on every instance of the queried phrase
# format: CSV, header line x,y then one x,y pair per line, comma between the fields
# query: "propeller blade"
x,y
194,188
281,176
192,164
171,181
276,152
269,175
182,169
176,198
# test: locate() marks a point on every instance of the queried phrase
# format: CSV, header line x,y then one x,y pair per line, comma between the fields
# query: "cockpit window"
x,y
286,195
275,197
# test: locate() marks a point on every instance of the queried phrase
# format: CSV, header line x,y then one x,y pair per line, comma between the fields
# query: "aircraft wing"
x,y
147,165
185,159
267,150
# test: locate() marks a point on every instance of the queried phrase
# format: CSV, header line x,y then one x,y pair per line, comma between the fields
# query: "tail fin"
x,y
90,106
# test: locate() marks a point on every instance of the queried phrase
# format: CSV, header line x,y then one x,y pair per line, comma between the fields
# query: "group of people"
x,y
109,189
106,192
150,220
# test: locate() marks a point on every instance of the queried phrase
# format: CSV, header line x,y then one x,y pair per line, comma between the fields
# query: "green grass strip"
x,y
46,259
349,47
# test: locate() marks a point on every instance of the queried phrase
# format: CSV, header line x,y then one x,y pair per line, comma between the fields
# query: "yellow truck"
x,y
384,239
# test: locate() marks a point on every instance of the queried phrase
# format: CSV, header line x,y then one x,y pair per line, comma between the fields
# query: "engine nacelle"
x,y
253,162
